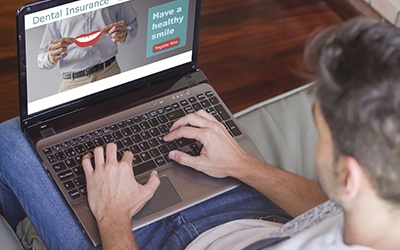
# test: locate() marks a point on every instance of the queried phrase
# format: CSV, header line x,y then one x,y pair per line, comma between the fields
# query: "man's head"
x,y
357,66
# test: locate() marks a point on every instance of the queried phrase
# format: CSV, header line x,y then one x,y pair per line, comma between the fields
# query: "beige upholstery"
x,y
8,239
283,130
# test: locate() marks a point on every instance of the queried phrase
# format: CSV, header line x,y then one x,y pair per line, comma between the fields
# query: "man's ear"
x,y
353,177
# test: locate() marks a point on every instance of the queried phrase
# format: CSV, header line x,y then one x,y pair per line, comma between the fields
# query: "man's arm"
x,y
115,196
221,156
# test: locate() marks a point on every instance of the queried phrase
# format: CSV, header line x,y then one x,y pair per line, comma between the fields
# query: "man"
x,y
85,46
356,112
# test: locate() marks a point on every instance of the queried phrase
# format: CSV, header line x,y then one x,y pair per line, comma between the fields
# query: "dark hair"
x,y
357,67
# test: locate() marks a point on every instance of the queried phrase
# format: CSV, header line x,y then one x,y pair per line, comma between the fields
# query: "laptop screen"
x,y
81,48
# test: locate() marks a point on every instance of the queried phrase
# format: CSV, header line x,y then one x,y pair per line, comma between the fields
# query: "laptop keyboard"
x,y
141,134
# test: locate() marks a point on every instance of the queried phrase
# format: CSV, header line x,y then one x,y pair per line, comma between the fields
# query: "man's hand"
x,y
115,196
117,31
221,155
58,49
112,188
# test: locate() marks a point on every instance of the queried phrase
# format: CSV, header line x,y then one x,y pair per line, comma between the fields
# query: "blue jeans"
x,y
26,190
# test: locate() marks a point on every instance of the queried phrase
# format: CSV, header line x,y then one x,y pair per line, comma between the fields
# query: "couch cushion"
x,y
283,130
8,239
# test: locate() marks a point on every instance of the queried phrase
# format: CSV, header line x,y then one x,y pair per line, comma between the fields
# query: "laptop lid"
x,y
165,46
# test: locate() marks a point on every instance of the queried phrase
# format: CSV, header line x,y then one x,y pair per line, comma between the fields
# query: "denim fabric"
x,y
25,189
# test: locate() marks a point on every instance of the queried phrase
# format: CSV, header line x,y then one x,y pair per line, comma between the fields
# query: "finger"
x,y
128,158
87,164
185,132
99,156
153,182
198,119
111,152
206,115
184,159
107,29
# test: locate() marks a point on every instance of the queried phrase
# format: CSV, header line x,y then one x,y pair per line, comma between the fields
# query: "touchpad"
x,y
165,196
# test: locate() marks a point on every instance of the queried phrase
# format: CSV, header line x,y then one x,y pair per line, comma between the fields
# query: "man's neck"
x,y
375,224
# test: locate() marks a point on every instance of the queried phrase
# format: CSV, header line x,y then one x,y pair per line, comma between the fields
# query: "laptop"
x,y
156,84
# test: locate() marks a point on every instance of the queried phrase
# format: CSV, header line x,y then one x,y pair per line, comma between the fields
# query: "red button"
x,y
166,45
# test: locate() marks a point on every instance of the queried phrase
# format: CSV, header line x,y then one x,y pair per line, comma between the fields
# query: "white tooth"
x,y
88,38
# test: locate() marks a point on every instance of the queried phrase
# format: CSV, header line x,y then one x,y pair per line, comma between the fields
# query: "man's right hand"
x,y
58,49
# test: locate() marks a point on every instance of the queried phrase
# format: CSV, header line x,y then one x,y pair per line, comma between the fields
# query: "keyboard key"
x,y
197,106
137,138
70,163
127,142
144,125
153,143
214,100
60,156
136,129
154,152
81,139
117,135
51,158
70,152
160,161
184,103
153,113
154,132
233,128
137,119
79,181
209,93
163,149
145,116
136,160
47,151
153,122
69,185
78,170
221,111
145,135
135,149
57,148
89,145
98,133
175,114
66,175
126,132
168,108
130,122
144,146
162,119
75,194
201,97
89,136
108,139
144,167
113,127
205,104
172,145
99,142
184,141
122,124
59,167
175,105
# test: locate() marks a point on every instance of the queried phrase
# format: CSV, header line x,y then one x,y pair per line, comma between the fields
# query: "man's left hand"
x,y
117,31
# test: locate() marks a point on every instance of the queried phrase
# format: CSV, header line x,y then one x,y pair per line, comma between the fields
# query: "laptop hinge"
x,y
47,132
